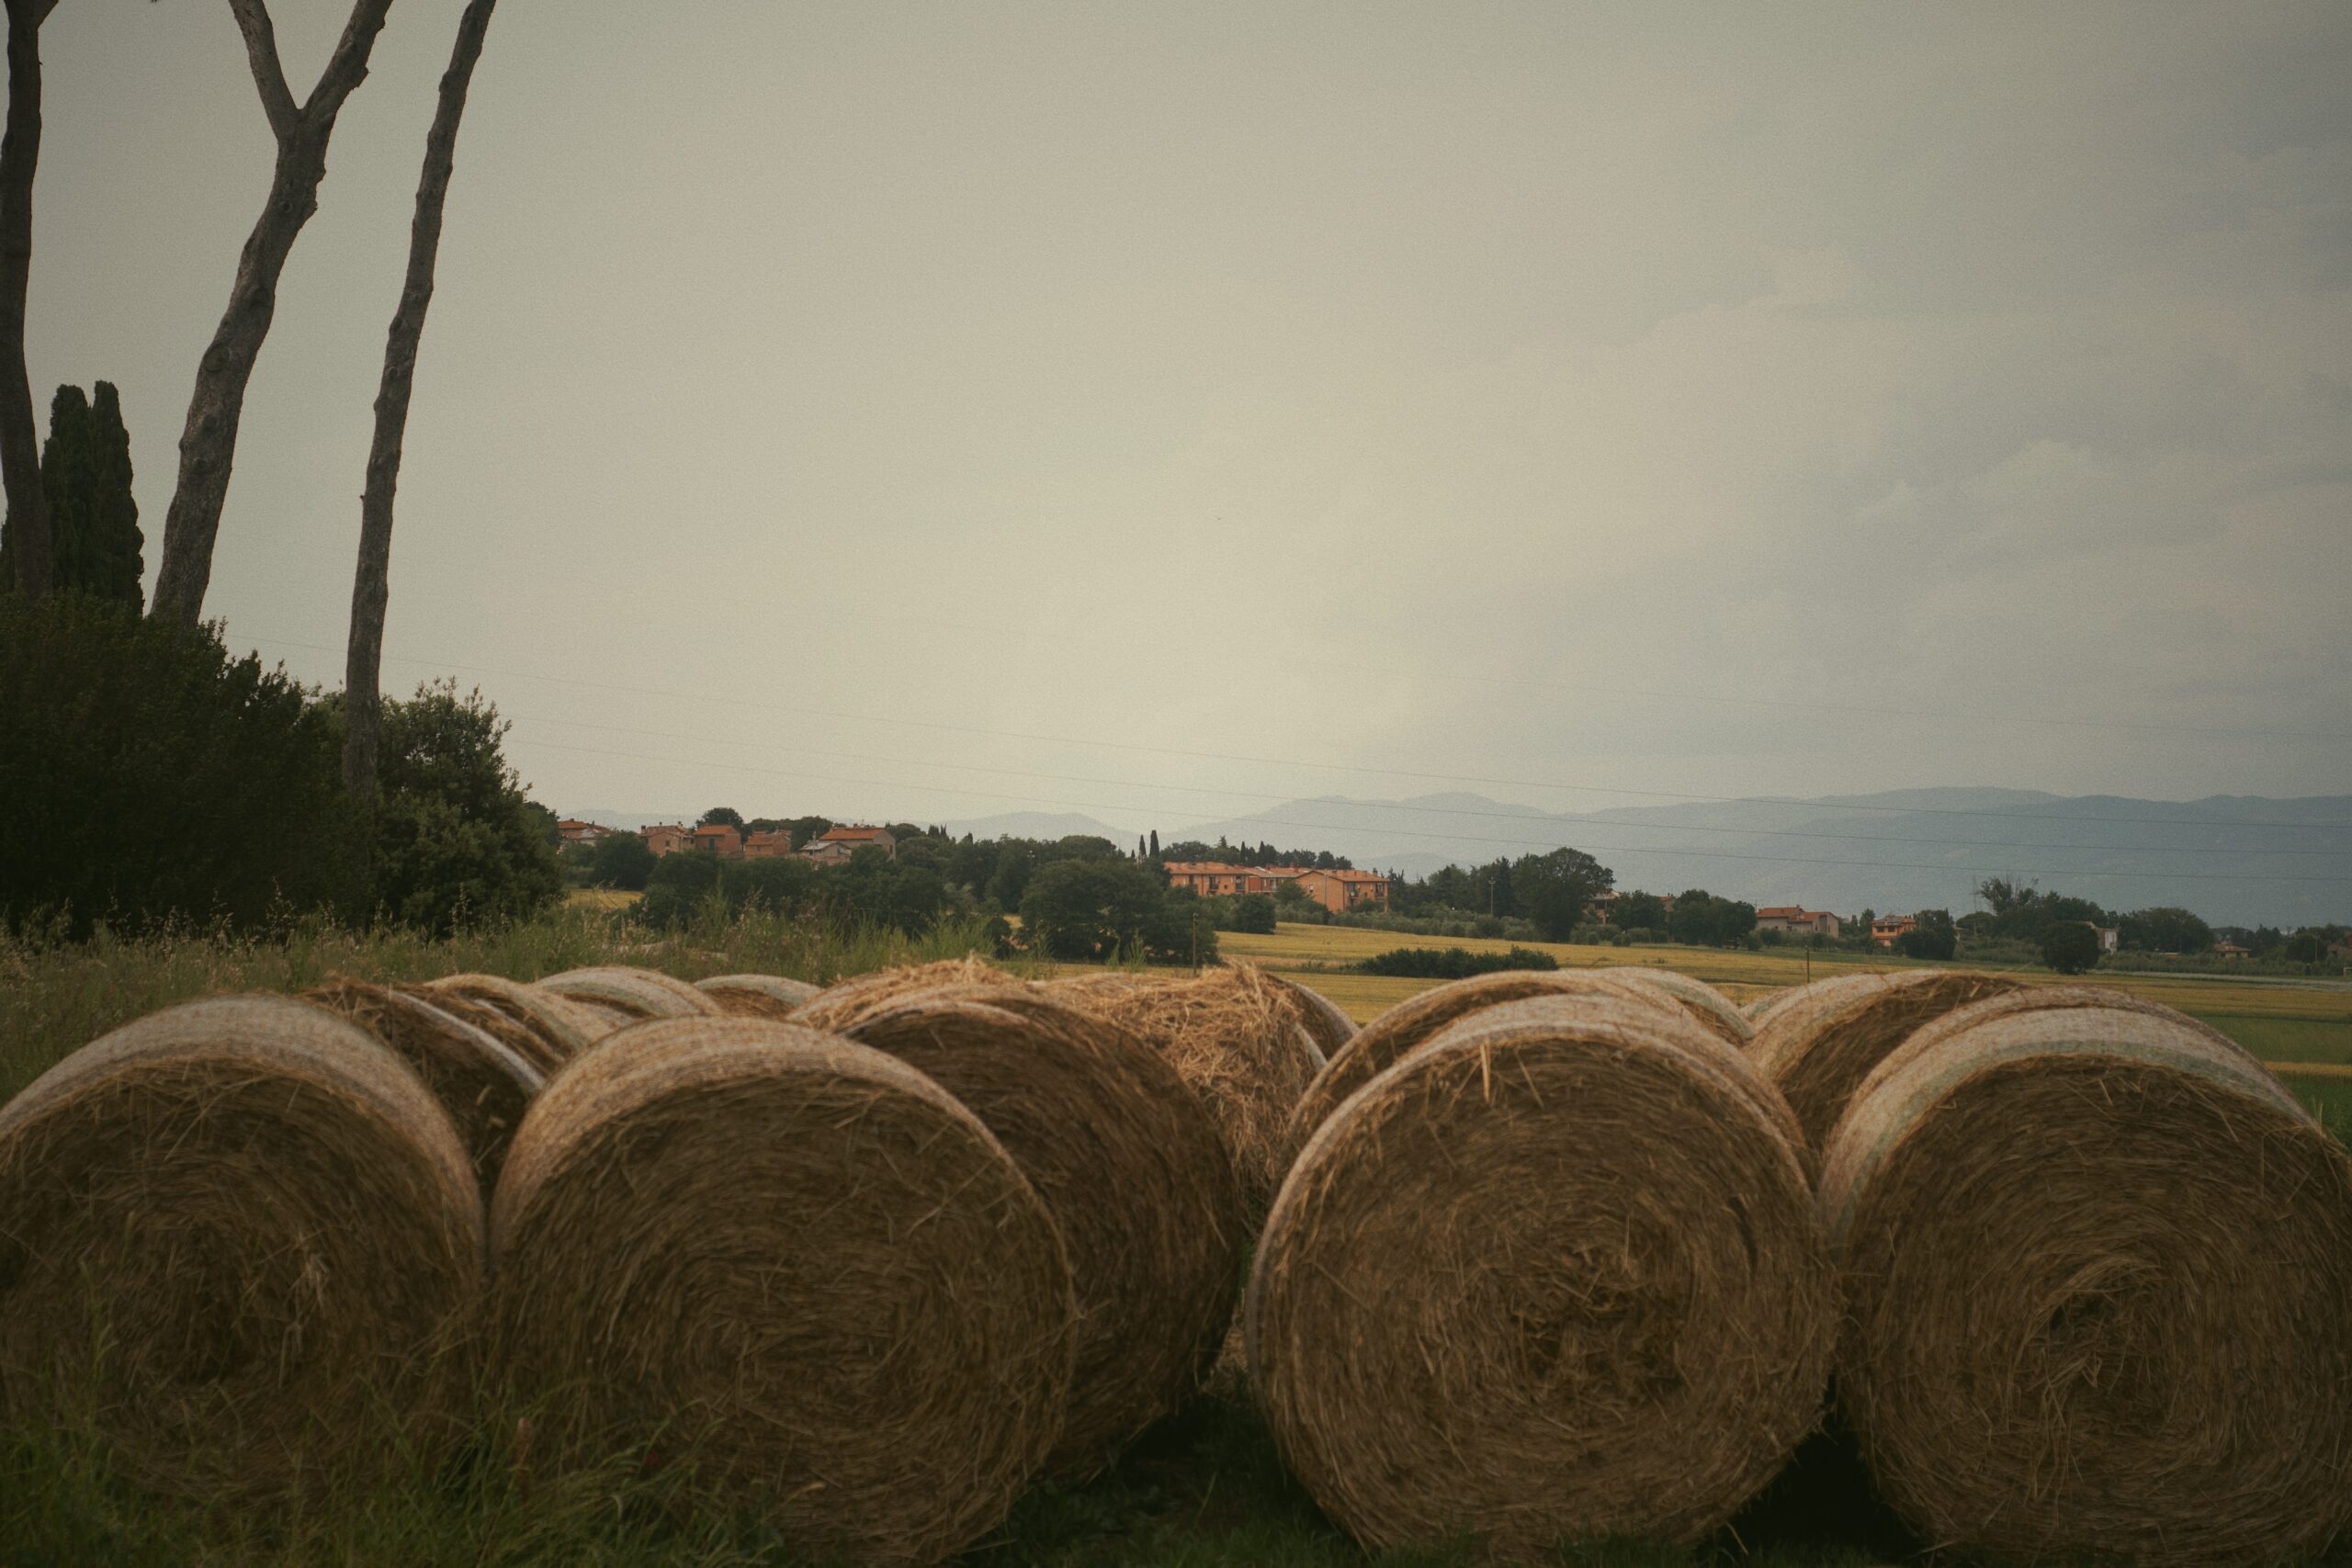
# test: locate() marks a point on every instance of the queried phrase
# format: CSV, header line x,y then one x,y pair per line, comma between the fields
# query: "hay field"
x,y
2300,1029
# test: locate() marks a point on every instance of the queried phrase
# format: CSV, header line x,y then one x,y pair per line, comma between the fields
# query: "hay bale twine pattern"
x,y
482,1083
1402,1030
2099,1283
242,1238
1554,1275
563,1027
1931,1035
1130,1167
798,1266
1712,1009
1814,995
1234,1035
1823,1040
633,993
839,1006
757,995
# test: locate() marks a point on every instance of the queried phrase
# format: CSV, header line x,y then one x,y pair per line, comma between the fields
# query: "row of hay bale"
x,y
1586,1253
1537,1255
870,1260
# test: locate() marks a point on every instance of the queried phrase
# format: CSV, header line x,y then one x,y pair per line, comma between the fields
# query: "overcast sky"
x,y
1713,401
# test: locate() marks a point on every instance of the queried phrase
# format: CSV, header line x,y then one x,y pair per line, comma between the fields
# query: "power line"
x,y
1529,816
853,717
1514,843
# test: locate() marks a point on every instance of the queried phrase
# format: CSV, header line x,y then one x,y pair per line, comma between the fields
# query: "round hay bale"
x,y
1325,1024
1233,1034
1130,1167
1403,1029
243,1241
1555,1275
839,1006
1930,1036
1823,1040
563,1027
1818,993
517,1036
2098,1285
633,993
800,1269
756,996
480,1081
1712,1010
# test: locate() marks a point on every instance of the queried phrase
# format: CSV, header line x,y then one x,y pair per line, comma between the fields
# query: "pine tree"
x,y
1155,843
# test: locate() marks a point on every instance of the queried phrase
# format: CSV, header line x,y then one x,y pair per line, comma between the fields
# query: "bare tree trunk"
x,y
363,664
28,542
209,443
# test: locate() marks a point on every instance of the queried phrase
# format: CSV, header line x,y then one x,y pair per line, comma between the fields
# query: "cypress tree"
x,y
113,552
86,478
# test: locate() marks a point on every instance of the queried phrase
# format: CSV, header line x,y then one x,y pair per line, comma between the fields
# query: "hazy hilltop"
x,y
2239,860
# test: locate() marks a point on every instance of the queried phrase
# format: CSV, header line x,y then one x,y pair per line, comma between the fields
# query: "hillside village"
x,y
1316,885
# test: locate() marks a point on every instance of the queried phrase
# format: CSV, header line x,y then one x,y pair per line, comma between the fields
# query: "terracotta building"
x,y
666,838
1342,891
721,839
837,844
768,844
1210,878
1796,918
1887,930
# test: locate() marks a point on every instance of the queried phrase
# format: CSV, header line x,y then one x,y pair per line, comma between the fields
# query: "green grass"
x,y
1204,1489
2288,1039
55,997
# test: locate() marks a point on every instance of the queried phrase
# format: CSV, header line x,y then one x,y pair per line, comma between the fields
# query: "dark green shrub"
x,y
1452,963
147,774
457,843
2071,948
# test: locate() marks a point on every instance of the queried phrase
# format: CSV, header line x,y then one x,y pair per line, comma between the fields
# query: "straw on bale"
x,y
1554,1275
1234,1035
1823,1040
1325,1024
564,1027
1711,1007
1404,1028
241,1238
840,1005
632,992
483,1084
1130,1167
794,1264
2098,1285
757,995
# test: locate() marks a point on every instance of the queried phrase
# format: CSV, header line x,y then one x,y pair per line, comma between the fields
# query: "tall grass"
x,y
57,995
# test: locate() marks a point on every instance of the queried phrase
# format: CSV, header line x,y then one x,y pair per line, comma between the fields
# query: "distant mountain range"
x,y
2237,860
